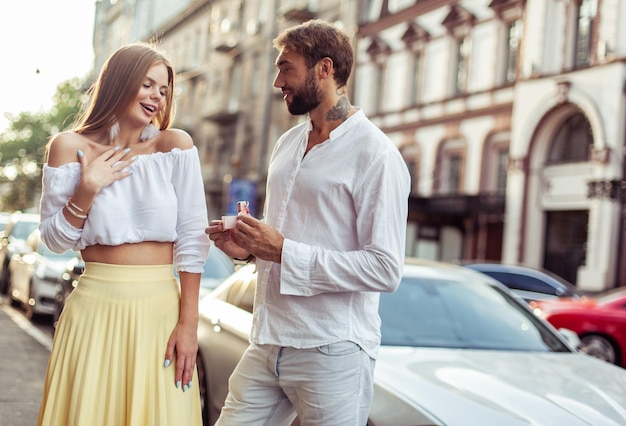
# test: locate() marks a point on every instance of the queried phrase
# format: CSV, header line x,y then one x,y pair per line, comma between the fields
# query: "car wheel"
x,y
600,347
4,279
29,309
14,302
204,392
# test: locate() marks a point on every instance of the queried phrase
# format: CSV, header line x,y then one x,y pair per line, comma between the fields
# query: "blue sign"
x,y
241,190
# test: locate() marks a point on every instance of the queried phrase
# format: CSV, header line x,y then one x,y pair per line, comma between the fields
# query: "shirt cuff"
x,y
295,276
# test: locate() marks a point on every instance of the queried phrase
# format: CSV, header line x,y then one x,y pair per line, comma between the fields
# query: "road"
x,y
24,351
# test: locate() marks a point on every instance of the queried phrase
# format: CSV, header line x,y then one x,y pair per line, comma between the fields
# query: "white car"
x,y
458,349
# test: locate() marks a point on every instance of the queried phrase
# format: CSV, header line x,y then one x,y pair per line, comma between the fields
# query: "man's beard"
x,y
307,98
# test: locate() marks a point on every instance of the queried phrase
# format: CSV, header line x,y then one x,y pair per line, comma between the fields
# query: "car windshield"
x,y
4,219
218,265
23,228
67,255
429,312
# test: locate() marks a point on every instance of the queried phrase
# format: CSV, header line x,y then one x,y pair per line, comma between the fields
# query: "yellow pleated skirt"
x,y
106,366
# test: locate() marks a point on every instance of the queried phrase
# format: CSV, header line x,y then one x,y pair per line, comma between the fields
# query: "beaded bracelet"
x,y
73,212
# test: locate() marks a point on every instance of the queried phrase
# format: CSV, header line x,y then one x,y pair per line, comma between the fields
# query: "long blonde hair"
x,y
117,86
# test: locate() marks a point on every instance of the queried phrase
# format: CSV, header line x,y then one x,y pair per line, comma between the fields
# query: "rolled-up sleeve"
x,y
58,185
191,247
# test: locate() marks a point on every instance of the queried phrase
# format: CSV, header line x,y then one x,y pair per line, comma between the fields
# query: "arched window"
x,y
451,165
572,142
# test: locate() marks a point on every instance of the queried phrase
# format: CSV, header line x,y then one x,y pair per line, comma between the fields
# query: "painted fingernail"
x,y
185,388
117,148
167,363
133,158
130,172
80,153
190,383
178,384
127,150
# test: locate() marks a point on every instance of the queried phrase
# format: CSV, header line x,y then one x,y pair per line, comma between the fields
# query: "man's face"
x,y
298,84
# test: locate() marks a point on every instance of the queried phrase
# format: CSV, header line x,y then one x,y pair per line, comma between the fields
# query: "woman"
x,y
126,191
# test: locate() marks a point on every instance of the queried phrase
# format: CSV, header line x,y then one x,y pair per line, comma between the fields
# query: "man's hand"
x,y
224,241
258,238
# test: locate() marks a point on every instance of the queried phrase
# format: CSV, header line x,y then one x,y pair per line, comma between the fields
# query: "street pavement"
x,y
24,352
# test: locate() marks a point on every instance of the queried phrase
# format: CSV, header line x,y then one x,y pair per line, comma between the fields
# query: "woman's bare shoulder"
x,y
174,138
63,148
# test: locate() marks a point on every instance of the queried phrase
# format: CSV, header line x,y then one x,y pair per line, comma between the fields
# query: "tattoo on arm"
x,y
340,111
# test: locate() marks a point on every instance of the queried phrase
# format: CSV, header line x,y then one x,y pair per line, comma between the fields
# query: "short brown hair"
x,y
119,82
317,39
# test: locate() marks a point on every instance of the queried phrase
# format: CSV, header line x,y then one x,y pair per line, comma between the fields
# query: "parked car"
x,y
458,348
34,271
599,321
67,282
12,240
5,217
218,266
528,283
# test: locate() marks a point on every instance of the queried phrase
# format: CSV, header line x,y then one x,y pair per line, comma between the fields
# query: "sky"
x,y
53,37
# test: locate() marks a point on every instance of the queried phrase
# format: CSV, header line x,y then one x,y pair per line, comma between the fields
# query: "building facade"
x,y
509,113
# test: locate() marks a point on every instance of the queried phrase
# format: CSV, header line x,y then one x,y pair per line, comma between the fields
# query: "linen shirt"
x,y
342,210
163,200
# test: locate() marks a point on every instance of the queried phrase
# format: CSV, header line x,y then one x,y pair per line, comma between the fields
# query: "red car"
x,y
599,321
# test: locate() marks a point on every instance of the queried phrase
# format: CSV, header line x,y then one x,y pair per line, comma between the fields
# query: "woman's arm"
x,y
184,339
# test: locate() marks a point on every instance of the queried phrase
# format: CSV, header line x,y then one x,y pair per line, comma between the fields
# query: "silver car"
x,y
34,275
458,349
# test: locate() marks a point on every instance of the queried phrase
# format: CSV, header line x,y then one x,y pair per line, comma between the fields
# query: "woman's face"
x,y
151,97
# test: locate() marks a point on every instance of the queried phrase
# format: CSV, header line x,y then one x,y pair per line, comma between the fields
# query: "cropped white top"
x,y
163,200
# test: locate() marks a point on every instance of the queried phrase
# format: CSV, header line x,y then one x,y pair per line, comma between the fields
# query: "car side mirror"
x,y
571,338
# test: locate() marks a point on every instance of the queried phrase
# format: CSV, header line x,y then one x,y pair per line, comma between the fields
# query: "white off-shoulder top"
x,y
162,200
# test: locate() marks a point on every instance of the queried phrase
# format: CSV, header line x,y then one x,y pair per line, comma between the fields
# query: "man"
x,y
332,239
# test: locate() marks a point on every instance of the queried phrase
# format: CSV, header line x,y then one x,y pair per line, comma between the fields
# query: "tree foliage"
x,y
22,146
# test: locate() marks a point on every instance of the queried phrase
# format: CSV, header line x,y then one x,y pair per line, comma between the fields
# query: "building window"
x,y
572,142
514,36
415,39
372,10
379,53
415,79
462,64
586,14
501,157
450,173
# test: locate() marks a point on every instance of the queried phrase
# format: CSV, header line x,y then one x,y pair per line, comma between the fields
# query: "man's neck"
x,y
325,118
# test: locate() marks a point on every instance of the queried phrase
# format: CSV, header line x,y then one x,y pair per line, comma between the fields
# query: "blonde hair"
x,y
117,86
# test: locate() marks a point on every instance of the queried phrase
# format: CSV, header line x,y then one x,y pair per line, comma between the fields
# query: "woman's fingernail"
x,y
189,383
185,388
127,150
178,384
130,172
80,153
133,158
117,148
167,363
